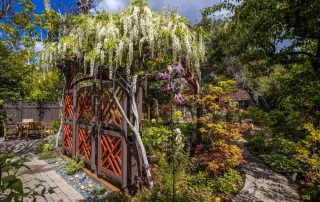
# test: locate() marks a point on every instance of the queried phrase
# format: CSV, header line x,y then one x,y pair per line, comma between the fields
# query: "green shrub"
x,y
44,146
200,178
45,150
282,163
257,144
260,144
47,147
55,125
258,116
155,136
229,182
72,166
98,191
177,116
187,129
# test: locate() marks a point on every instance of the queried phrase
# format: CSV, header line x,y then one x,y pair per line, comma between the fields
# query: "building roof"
x,y
240,95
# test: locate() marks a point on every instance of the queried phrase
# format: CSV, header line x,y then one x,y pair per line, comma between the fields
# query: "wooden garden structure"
x,y
104,58
94,129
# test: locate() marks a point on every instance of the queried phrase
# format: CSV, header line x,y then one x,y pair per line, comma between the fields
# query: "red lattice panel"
x,y
84,143
110,150
67,136
85,110
68,105
109,108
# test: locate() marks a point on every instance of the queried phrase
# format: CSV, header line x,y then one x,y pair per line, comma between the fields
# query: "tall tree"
x,y
262,25
259,35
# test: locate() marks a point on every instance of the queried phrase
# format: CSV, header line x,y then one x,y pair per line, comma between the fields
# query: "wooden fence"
x,y
46,112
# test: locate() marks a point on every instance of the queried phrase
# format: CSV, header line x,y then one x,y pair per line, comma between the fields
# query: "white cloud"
x,y
188,8
111,5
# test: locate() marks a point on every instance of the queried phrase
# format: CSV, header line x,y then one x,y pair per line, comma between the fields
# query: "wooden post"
x,y
95,122
75,121
140,105
124,147
20,109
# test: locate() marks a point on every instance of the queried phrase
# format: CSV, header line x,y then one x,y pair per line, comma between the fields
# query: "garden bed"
x,y
88,188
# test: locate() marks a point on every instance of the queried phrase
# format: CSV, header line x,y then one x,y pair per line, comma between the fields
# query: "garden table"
x,y
22,129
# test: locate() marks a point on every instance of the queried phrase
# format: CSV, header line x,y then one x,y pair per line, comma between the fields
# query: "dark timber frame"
x,y
94,129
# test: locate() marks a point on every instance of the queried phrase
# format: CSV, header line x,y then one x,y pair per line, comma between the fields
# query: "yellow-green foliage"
x,y
314,134
222,130
47,147
72,166
155,136
177,116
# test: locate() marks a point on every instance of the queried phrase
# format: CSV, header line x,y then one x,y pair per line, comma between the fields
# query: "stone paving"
x,y
263,184
40,173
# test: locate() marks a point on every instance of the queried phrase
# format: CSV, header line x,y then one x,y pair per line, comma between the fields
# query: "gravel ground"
x,y
80,181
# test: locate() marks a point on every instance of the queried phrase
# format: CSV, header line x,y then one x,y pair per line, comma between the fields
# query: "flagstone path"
x,y
40,171
263,184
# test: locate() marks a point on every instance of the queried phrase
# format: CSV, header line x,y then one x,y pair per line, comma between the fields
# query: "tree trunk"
x,y
316,60
136,127
61,119
60,127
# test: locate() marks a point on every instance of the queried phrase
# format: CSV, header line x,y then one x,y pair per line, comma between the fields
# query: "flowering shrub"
x,y
174,81
218,128
222,157
222,130
155,136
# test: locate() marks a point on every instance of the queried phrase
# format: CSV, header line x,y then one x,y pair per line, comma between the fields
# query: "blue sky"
x,y
188,8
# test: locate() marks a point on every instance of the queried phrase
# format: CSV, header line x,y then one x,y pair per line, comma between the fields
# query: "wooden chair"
x,y
46,128
23,127
10,130
35,128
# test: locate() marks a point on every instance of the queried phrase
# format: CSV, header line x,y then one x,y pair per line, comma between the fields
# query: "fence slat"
x,y
46,112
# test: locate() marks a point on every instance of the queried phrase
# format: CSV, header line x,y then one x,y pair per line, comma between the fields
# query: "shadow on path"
x,y
262,183
20,147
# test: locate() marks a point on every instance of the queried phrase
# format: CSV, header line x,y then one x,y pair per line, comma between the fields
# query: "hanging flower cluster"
x,y
116,40
174,81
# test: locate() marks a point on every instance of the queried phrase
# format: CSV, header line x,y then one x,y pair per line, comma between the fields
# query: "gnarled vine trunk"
x,y
61,116
136,126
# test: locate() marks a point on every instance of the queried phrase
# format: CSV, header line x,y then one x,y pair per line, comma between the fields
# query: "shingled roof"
x,y
240,95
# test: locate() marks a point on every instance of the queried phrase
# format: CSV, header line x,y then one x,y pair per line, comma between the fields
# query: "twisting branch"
x,y
5,7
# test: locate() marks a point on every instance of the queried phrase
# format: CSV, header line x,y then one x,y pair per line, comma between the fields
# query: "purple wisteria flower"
x,y
178,67
166,87
178,98
169,87
182,80
164,75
